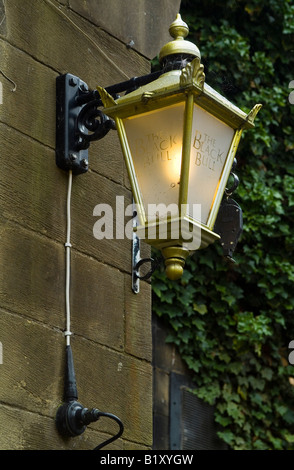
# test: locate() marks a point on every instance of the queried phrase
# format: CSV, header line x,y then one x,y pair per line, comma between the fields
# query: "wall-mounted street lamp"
x,y
179,138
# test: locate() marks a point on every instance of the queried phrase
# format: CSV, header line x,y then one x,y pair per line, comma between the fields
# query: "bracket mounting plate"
x,y
69,154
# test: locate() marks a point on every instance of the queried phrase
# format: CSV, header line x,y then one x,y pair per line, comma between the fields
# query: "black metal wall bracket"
x,y
78,122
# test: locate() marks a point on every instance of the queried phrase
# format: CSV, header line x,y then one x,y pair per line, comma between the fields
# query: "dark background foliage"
x,y
232,323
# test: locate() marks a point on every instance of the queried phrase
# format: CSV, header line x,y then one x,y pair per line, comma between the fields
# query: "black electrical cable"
x,y
72,418
116,436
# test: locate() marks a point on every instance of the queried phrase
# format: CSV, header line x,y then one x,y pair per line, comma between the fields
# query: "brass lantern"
x,y
179,137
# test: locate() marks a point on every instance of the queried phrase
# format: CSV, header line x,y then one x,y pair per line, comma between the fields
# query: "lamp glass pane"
x,y
210,145
155,141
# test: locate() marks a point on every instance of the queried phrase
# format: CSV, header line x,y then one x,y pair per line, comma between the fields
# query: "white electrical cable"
x,y
68,245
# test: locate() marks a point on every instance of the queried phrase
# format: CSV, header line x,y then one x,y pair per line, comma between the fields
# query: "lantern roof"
x,y
172,87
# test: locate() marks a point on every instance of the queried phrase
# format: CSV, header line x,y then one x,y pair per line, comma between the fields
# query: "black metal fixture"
x,y
229,221
72,418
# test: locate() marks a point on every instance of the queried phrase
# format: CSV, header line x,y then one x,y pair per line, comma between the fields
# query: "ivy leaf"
x,y
200,308
232,323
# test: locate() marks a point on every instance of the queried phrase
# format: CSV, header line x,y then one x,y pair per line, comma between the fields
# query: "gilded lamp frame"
x,y
178,86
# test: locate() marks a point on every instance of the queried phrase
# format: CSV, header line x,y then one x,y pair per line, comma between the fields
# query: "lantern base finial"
x,y
175,258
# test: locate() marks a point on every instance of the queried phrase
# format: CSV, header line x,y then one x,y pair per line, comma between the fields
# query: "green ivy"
x,y
232,323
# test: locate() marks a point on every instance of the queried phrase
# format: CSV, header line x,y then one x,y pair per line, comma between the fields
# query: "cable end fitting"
x,y
66,419
72,418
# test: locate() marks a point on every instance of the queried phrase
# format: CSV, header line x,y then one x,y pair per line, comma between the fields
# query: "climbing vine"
x,y
232,323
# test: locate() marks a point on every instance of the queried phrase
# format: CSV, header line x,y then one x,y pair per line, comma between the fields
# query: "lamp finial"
x,y
179,30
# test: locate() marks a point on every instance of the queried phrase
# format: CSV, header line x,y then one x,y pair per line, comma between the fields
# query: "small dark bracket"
x,y
78,122
138,262
135,261
229,222
229,225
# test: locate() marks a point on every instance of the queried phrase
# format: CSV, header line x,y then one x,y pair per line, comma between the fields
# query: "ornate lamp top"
x,y
179,30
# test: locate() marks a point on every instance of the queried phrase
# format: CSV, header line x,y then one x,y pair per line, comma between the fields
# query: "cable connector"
x,y
72,418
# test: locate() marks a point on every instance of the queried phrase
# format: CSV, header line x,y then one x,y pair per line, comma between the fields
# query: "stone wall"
x,y
166,361
40,39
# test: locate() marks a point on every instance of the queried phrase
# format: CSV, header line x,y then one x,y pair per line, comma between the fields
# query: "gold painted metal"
x,y
175,258
179,30
224,179
186,86
186,147
193,74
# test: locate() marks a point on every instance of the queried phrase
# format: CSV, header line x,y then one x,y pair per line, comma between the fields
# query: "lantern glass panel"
x,y
210,145
155,142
